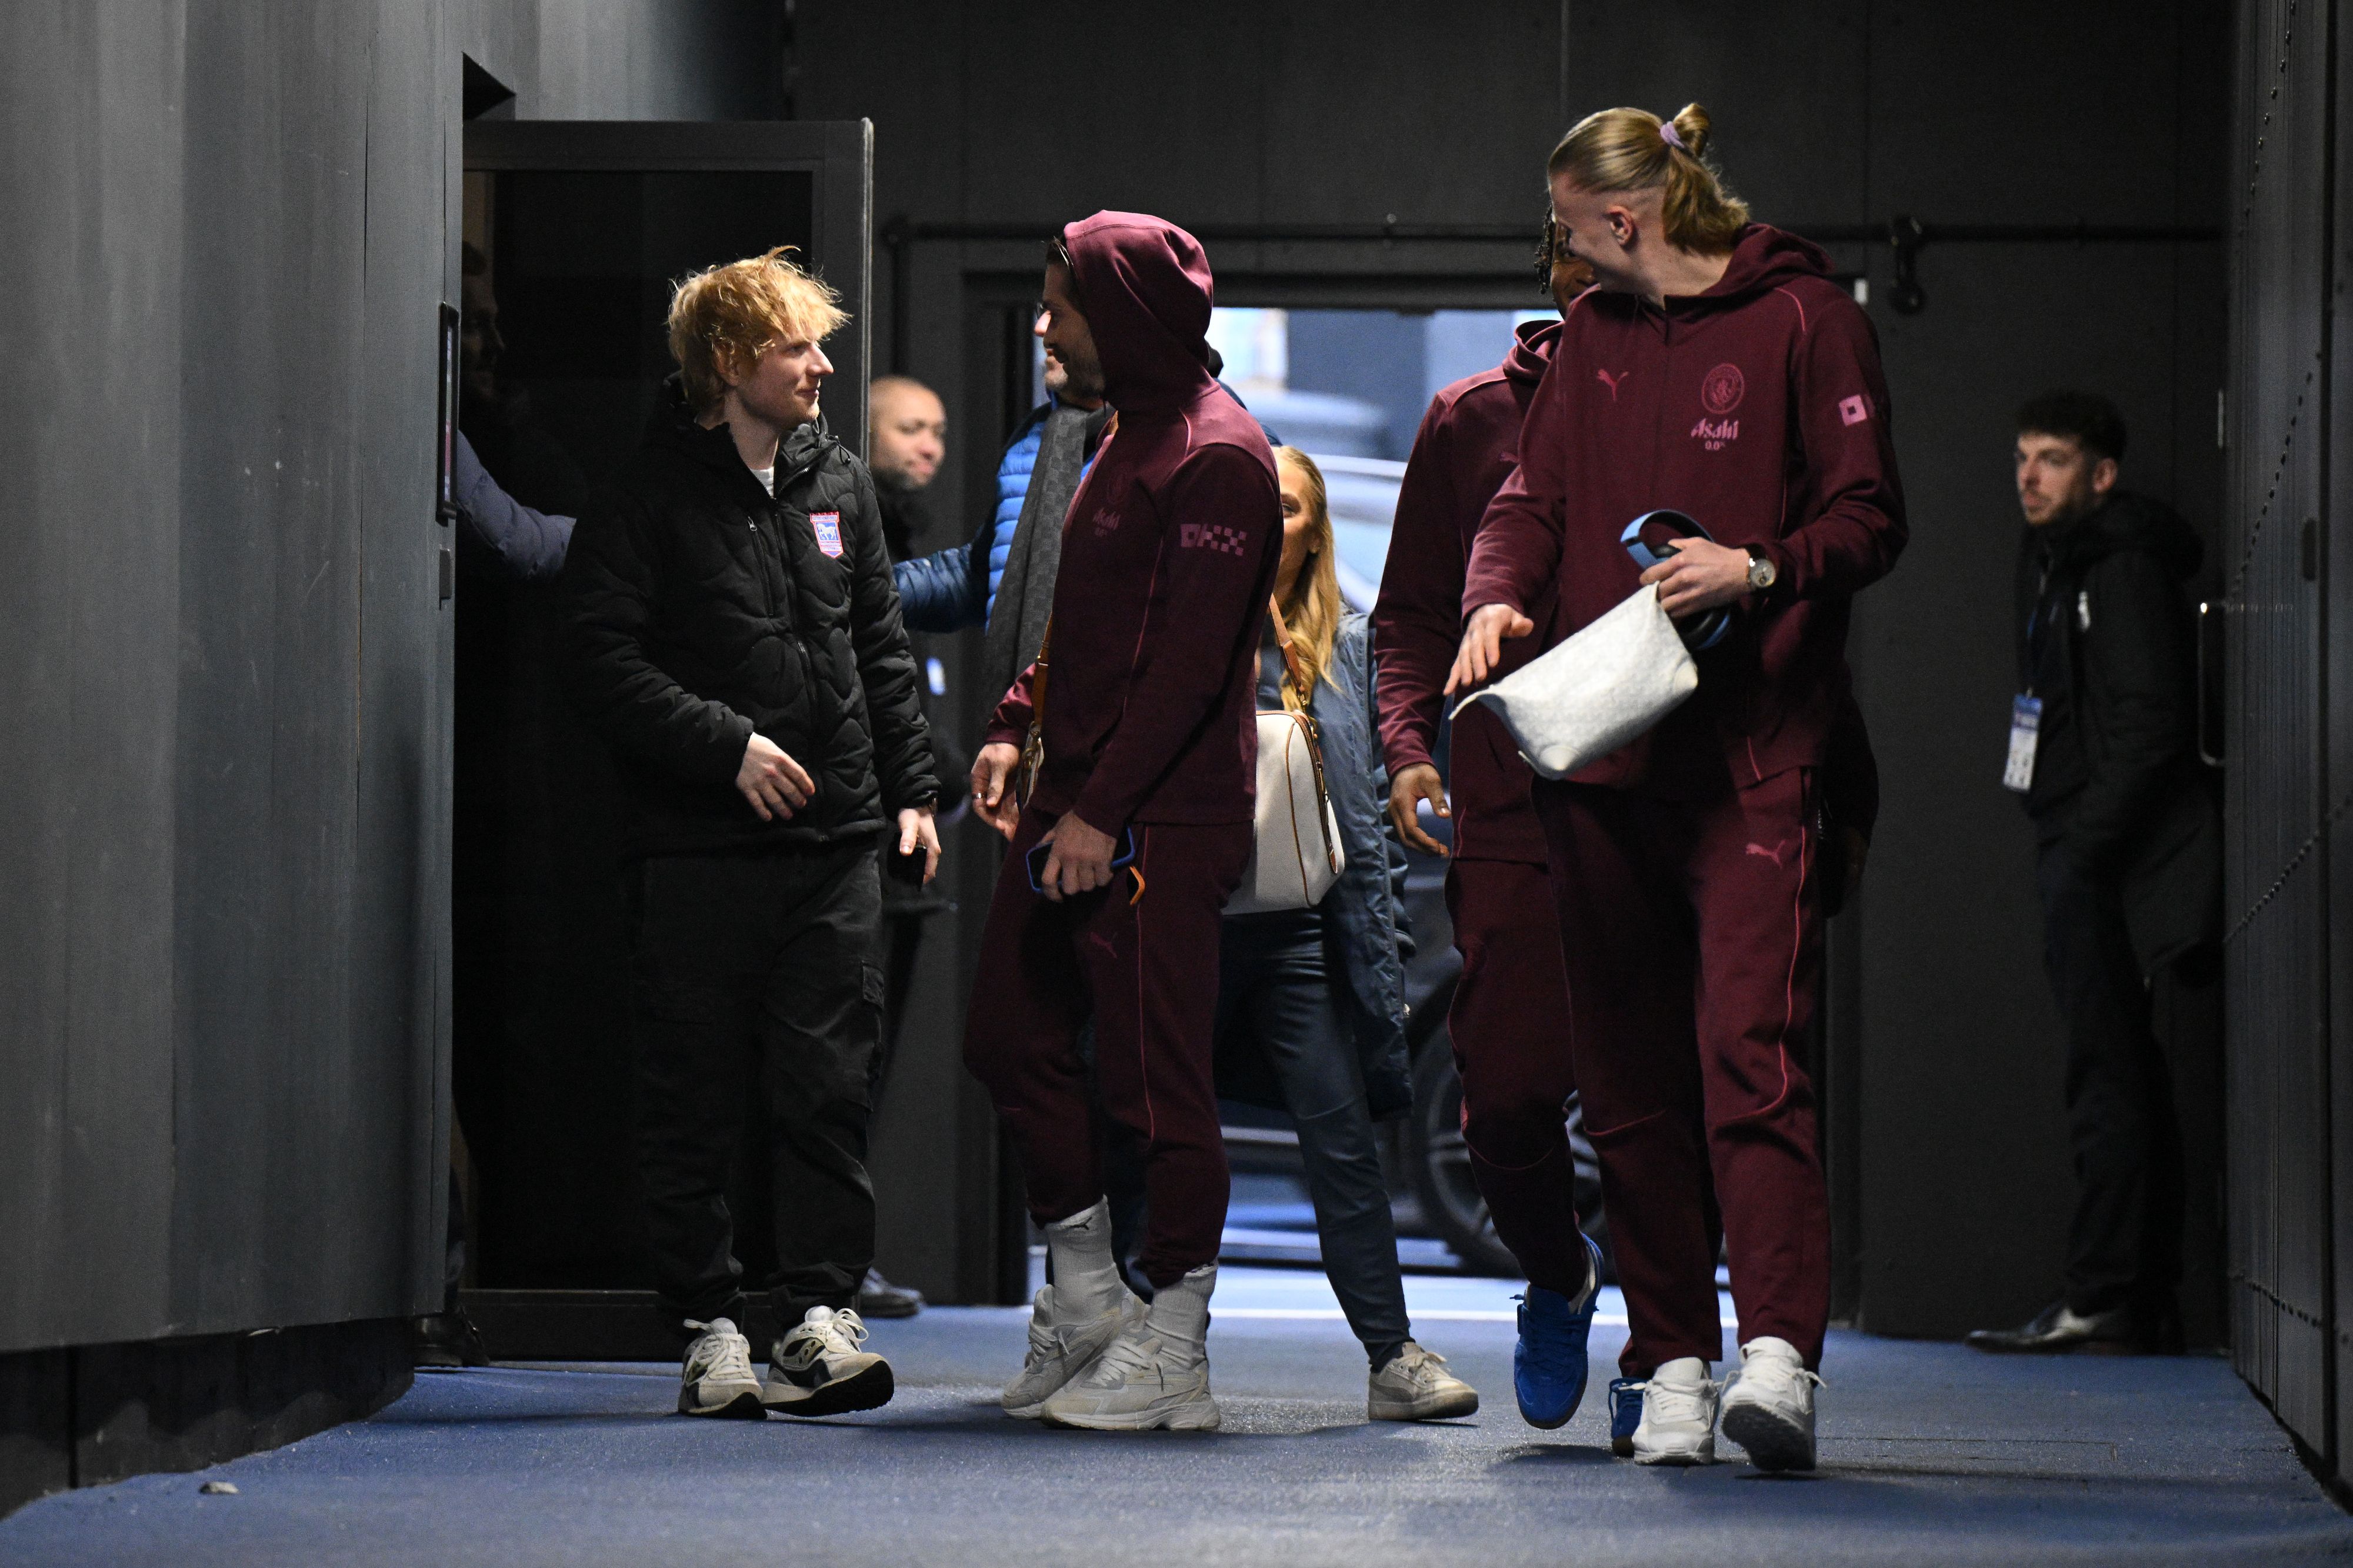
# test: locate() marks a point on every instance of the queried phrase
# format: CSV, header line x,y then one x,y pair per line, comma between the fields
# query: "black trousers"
x,y
2123,1244
753,982
1276,989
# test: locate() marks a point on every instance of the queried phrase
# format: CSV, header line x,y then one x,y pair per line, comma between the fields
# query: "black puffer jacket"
x,y
2116,776
701,610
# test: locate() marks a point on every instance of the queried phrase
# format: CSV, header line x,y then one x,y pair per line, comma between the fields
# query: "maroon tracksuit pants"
x,y
1145,969
1692,935
1514,1057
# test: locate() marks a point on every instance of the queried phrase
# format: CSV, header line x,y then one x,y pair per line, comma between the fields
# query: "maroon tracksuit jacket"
x,y
1685,865
1168,557
1467,446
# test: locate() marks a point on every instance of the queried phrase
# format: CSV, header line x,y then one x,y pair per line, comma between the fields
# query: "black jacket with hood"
x,y
2106,644
703,609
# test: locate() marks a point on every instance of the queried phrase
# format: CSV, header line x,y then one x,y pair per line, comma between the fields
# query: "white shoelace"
x,y
842,1333
1676,1403
1127,1355
1420,1367
719,1352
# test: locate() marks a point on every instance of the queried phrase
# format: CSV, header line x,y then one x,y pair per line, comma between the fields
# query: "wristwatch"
x,y
1762,573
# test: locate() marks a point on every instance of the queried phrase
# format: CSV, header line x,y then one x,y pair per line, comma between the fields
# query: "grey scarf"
x,y
1025,595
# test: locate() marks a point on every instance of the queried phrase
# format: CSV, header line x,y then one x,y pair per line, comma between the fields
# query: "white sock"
x,y
1180,1312
1086,1276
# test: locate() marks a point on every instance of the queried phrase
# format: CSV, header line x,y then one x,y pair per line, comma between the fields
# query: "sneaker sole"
x,y
1678,1458
1770,1442
1194,1415
866,1389
745,1406
1436,1409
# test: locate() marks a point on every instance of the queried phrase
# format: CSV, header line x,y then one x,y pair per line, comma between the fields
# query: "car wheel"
x,y
1441,1167
1451,1201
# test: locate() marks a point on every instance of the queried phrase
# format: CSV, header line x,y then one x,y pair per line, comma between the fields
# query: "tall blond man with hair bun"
x,y
1718,371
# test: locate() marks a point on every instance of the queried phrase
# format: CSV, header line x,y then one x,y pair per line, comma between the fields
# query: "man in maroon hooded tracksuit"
x,y
1149,730
1506,1015
1685,866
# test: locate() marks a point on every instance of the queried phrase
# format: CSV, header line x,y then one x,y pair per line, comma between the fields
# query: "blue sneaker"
x,y
1549,1367
1625,1413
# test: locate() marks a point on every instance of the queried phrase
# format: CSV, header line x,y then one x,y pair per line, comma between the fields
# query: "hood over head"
x,y
1145,288
1763,257
1531,351
2129,522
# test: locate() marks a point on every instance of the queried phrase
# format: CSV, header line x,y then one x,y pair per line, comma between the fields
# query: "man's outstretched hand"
x,y
1080,860
1407,792
992,789
1483,635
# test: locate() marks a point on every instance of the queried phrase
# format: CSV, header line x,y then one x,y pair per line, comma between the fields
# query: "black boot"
x,y
448,1342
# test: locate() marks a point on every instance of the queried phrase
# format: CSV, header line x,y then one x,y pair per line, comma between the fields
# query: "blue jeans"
x,y
1275,983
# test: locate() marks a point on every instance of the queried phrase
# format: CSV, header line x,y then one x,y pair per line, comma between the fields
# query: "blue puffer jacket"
x,y
951,589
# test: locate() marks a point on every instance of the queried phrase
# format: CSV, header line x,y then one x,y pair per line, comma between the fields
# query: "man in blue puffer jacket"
x,y
1003,575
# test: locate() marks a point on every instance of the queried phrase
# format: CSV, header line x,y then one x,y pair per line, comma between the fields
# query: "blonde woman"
x,y
1311,1009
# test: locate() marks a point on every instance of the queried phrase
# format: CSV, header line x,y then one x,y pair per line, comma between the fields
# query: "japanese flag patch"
x,y
828,531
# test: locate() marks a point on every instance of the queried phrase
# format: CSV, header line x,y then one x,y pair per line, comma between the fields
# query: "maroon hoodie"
x,y
1758,408
1168,557
1466,447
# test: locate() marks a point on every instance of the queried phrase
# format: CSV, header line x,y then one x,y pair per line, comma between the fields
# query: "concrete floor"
x,y
1931,1454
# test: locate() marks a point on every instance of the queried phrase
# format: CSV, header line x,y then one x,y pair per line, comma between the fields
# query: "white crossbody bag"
x,y
1602,689
1295,855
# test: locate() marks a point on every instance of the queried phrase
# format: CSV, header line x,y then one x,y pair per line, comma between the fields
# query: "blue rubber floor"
x,y
1931,1454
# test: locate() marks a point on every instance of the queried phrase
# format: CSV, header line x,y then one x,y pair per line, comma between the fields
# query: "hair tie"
x,y
1670,135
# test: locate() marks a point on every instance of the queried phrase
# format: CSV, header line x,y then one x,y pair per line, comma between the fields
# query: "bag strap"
x,y
1296,672
1033,744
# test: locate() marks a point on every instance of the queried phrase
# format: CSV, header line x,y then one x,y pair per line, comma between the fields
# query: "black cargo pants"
x,y
753,984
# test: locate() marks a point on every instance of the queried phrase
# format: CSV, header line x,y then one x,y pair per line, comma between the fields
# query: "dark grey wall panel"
x,y
2275,889
271,494
89,576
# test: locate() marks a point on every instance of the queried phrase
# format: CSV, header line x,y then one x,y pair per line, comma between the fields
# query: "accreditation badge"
x,y
2025,733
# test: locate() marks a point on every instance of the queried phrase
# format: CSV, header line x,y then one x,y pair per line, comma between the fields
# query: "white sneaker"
x,y
1769,1410
1415,1386
1152,1374
1678,1416
716,1379
1061,1347
822,1368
